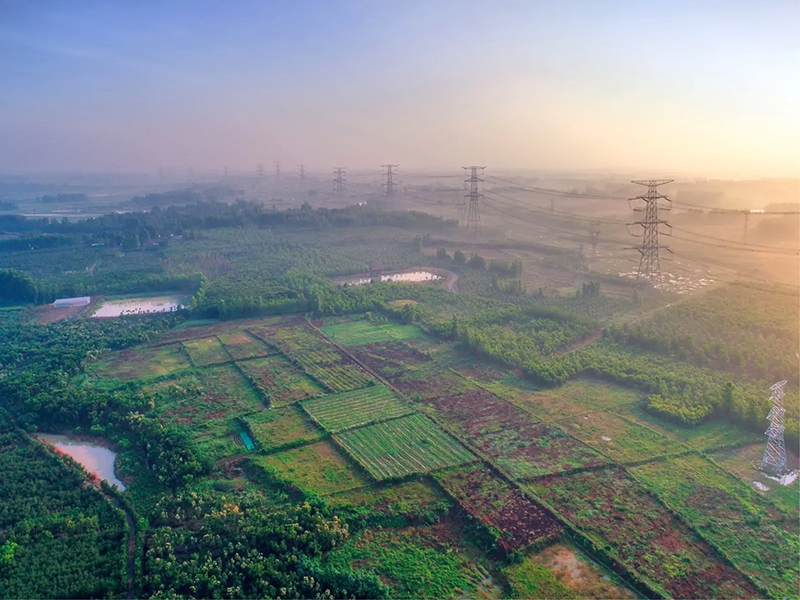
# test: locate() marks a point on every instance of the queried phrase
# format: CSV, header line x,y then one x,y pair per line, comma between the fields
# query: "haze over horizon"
x,y
704,88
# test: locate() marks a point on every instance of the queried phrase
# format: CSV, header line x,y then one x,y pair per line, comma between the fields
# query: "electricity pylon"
x,y
474,196
594,236
339,181
775,453
390,184
302,173
649,272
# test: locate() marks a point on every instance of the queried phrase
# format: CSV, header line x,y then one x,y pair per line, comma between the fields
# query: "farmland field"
x,y
357,333
410,500
732,516
358,407
319,468
341,377
278,426
240,345
289,337
390,359
621,440
141,363
279,380
403,446
206,351
495,503
432,381
614,510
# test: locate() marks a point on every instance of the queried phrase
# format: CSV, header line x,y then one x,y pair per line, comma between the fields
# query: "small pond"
x,y
139,306
407,277
95,458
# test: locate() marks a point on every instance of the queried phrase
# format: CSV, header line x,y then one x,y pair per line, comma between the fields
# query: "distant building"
x,y
67,302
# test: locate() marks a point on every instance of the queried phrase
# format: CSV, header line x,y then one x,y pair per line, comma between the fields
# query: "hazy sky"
x,y
697,86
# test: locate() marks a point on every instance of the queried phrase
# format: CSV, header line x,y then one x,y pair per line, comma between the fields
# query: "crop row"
x,y
355,408
339,378
403,446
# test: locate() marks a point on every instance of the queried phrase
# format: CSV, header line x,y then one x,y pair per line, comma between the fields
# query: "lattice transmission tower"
x,y
594,236
390,184
580,271
302,173
260,170
649,272
775,453
277,172
339,181
474,196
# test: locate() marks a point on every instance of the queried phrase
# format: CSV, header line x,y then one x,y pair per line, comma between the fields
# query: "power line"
x,y
649,272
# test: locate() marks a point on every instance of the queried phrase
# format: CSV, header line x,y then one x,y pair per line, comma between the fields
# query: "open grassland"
x,y
142,363
289,337
400,447
279,380
390,359
704,436
432,381
574,398
733,517
744,462
562,571
241,345
206,351
226,445
318,468
356,408
279,426
392,504
621,440
435,561
356,333
618,514
500,507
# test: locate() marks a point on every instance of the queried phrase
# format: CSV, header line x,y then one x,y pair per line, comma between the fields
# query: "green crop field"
x,y
358,407
410,500
206,351
278,426
319,468
279,380
241,346
142,363
396,448
732,516
621,440
228,384
339,377
356,333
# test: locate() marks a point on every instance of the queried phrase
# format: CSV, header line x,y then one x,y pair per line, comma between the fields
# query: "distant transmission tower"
x,y
260,170
594,236
225,171
649,273
552,205
277,172
302,173
339,181
390,184
580,274
474,197
775,454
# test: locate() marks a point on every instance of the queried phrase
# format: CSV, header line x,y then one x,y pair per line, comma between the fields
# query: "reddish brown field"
x,y
390,359
496,504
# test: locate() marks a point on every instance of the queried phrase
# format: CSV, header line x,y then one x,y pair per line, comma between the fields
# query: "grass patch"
x,y
278,426
318,468
241,346
206,351
619,439
418,562
356,333
142,363
403,446
411,500
355,408
705,436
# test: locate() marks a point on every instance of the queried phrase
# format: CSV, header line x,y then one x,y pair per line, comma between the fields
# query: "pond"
x,y
140,306
406,277
95,458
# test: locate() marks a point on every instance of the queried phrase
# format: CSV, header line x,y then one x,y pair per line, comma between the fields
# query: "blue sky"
x,y
701,87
